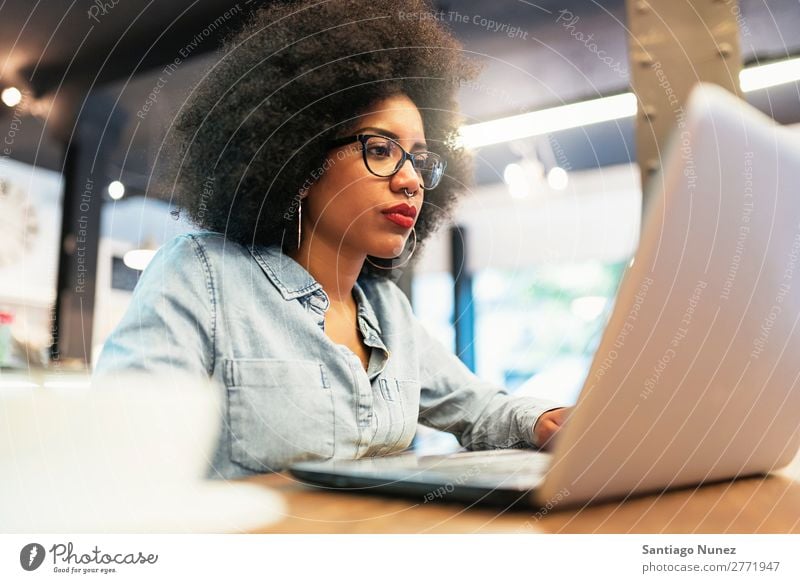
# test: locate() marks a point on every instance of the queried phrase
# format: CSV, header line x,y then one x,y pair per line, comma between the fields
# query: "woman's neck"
x,y
334,268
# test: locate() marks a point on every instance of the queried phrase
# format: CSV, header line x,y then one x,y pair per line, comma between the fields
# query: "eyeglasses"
x,y
384,157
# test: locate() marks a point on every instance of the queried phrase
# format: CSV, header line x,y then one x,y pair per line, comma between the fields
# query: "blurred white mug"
x,y
79,452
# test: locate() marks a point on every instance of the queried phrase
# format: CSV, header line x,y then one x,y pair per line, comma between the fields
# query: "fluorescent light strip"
x,y
545,121
763,76
584,113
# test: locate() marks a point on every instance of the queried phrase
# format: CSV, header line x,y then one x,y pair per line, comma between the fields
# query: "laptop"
x,y
695,379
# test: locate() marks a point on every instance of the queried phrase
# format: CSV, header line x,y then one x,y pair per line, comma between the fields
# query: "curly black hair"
x,y
255,131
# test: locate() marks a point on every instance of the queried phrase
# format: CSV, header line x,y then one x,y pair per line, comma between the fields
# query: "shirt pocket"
x,y
279,412
401,400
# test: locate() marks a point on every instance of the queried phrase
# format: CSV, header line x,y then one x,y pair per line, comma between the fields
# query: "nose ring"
x,y
409,194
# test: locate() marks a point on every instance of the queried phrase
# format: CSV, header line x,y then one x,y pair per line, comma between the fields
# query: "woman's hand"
x,y
547,426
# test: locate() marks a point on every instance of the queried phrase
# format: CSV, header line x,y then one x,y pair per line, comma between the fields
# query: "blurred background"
x,y
520,282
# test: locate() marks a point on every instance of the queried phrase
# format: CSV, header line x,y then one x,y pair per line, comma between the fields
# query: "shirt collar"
x,y
365,310
293,281
291,278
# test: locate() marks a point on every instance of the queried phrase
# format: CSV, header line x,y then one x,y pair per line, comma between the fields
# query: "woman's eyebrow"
x,y
389,134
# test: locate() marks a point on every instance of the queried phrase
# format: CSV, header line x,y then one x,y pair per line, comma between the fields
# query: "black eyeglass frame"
x,y
338,142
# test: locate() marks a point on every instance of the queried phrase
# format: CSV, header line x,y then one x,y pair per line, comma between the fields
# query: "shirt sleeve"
x,y
169,324
480,414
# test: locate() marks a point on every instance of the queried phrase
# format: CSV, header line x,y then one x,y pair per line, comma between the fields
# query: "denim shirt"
x,y
253,319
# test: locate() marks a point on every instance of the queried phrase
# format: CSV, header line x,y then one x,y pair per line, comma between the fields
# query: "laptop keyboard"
x,y
513,468
499,461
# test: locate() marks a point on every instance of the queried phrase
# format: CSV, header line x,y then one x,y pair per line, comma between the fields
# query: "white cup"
x,y
122,440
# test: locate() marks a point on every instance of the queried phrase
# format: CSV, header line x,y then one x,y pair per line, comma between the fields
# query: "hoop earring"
x,y
413,248
299,223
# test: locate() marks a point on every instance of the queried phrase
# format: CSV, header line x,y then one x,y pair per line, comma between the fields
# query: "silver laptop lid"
x,y
695,378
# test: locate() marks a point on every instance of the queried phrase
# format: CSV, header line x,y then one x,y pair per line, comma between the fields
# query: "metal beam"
x,y
672,45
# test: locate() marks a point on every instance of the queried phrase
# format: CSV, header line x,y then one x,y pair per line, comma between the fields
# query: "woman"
x,y
313,157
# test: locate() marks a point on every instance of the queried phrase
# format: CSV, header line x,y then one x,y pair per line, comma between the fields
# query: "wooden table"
x,y
754,505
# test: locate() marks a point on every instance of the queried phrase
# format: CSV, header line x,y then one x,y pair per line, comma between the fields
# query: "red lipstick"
x,y
401,214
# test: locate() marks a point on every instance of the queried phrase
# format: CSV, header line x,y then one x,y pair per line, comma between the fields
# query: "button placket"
x,y
364,399
317,304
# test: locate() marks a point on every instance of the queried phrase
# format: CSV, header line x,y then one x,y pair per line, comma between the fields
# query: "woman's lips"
x,y
403,220
401,214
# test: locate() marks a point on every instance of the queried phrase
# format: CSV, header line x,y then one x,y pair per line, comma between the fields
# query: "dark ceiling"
x,y
56,50
50,43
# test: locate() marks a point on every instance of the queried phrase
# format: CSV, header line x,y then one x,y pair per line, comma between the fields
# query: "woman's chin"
x,y
388,247
389,250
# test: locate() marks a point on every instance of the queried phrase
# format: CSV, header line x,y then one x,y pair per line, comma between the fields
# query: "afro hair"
x,y
297,75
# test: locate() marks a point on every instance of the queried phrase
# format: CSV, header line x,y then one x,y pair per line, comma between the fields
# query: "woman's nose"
x,y
407,177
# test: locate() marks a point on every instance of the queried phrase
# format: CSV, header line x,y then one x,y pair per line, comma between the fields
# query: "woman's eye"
x,y
380,151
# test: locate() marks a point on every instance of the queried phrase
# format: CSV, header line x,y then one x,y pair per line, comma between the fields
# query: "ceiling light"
x,y
11,96
763,76
546,121
584,113
116,190
516,178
